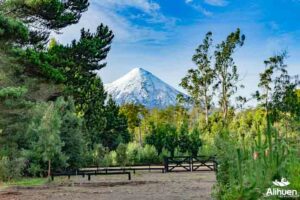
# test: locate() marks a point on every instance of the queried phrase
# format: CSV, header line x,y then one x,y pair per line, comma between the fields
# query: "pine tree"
x,y
71,133
116,130
43,16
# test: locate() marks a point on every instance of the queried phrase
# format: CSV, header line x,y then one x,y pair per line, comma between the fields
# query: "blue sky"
x,y
161,35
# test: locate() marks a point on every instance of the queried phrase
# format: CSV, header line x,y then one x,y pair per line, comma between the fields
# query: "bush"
x,y
98,154
149,155
122,155
164,153
12,92
110,159
134,151
11,169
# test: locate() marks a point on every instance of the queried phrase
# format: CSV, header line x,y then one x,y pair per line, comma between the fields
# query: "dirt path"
x,y
145,186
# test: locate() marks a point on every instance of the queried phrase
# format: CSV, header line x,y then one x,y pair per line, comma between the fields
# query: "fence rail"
x,y
190,163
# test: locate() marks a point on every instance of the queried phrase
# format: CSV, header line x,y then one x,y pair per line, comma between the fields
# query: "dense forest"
x,y
55,114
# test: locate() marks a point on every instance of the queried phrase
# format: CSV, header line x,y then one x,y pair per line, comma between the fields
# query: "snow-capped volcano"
x,y
142,87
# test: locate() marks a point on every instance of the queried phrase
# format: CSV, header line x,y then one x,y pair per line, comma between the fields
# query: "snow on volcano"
x,y
142,87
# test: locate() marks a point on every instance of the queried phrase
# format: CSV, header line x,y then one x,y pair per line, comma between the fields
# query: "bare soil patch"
x,y
144,185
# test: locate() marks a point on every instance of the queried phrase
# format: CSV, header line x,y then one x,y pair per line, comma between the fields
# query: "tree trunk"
x,y
206,107
49,168
206,115
140,135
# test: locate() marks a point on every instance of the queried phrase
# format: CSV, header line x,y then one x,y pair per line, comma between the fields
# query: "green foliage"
x,y
163,136
12,92
149,154
42,63
99,152
198,82
166,136
134,114
278,88
122,155
14,117
110,159
12,30
42,16
115,131
128,154
11,168
134,151
46,145
254,153
71,133
27,182
91,49
164,153
226,70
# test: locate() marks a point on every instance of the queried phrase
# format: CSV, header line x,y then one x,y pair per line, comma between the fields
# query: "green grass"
x,y
26,182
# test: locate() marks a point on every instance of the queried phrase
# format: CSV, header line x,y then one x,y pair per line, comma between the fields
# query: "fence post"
x,y
166,163
192,163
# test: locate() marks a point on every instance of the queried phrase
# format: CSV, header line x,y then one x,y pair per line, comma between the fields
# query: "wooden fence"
x,y
190,163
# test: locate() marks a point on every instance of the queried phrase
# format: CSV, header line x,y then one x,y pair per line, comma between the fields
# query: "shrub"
x,y
121,154
134,151
13,92
164,153
98,154
110,159
149,154
11,169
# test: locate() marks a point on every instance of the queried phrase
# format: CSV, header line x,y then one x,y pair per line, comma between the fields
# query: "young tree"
x,y
226,70
71,133
45,135
278,90
198,82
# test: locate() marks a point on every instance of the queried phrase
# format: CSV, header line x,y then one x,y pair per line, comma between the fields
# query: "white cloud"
x,y
188,1
107,12
199,8
202,10
151,10
216,2
143,5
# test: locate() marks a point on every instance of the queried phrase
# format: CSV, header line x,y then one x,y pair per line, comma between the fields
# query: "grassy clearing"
x,y
25,182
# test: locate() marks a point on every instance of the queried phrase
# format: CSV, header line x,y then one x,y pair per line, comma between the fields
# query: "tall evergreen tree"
x,y
116,130
71,133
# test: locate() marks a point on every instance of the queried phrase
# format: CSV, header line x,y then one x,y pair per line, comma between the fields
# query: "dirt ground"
x,y
143,185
